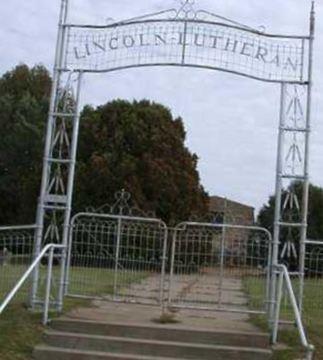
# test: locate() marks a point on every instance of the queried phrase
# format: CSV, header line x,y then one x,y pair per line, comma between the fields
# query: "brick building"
x,y
235,240
228,211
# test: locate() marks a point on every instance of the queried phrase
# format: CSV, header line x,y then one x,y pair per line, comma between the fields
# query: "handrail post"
x,y
48,248
48,285
282,271
279,293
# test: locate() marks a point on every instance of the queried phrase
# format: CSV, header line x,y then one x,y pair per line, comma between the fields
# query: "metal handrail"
x,y
283,274
35,263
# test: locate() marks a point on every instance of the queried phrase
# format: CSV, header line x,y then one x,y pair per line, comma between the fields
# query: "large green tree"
x,y
138,146
24,100
315,218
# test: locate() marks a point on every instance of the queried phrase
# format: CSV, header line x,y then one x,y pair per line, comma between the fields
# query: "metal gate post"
x,y
278,202
55,201
70,187
305,200
59,55
297,126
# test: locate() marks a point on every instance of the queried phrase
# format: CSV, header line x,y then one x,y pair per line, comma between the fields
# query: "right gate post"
x,y
291,211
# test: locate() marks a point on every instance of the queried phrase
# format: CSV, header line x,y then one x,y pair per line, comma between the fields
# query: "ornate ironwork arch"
x,y
180,36
189,38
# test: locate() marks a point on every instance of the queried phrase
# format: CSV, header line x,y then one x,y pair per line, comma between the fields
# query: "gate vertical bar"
x,y
59,53
172,261
305,200
116,266
223,237
163,268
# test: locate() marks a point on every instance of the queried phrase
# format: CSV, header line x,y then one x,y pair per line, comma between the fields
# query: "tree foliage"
x,y
136,146
24,100
139,147
315,218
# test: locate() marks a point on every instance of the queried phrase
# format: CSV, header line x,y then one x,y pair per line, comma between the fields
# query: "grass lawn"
x,y
84,281
99,282
21,330
313,316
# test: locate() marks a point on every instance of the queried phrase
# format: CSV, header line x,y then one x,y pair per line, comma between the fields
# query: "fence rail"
x,y
313,283
199,265
16,254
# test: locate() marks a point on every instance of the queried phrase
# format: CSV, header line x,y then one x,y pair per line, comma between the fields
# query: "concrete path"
x,y
187,290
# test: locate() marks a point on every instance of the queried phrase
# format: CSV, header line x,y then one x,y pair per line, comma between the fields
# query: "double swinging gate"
x,y
183,37
117,257
194,265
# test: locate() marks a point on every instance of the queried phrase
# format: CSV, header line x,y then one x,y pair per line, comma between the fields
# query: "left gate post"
x,y
54,204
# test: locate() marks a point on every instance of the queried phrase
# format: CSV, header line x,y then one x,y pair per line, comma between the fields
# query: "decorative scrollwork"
x,y
187,11
121,206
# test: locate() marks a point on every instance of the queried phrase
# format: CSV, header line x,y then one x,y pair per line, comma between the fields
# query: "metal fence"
x,y
313,283
16,254
116,257
137,259
220,267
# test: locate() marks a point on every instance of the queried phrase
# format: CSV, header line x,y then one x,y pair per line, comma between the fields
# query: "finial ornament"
x,y
186,10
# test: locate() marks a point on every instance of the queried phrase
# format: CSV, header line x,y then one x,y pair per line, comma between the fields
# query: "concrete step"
x,y
178,350
42,352
163,333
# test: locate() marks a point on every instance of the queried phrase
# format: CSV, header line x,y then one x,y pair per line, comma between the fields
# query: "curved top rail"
x,y
117,217
184,224
206,44
138,21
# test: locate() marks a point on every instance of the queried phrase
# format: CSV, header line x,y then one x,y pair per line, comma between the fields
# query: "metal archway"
x,y
175,37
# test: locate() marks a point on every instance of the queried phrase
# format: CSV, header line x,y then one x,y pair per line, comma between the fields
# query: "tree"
x,y
139,147
315,218
24,101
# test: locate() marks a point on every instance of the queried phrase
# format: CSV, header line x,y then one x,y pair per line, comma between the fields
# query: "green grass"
x,y
99,282
21,330
84,281
313,317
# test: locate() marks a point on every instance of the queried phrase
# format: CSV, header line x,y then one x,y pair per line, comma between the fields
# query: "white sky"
x,y
231,121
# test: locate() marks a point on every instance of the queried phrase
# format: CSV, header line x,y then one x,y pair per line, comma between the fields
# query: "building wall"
x,y
235,240
232,212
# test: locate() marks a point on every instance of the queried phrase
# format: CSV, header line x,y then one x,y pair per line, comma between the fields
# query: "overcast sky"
x,y
231,121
